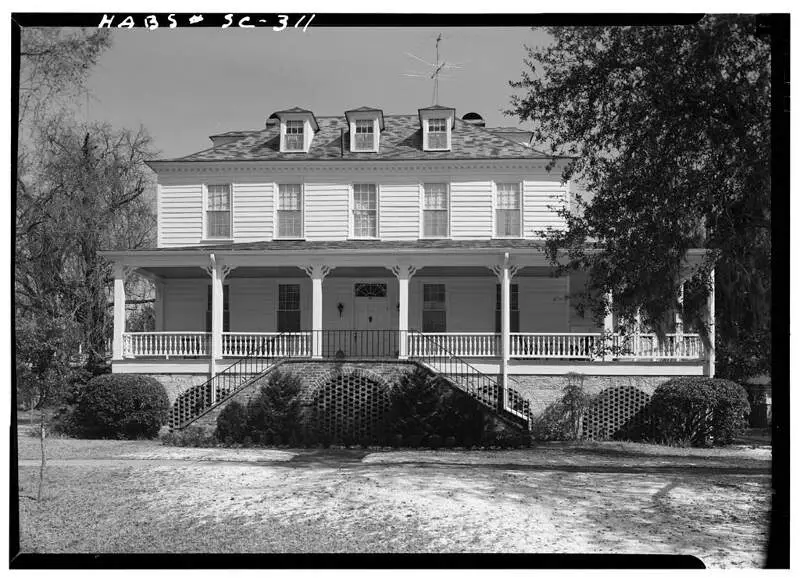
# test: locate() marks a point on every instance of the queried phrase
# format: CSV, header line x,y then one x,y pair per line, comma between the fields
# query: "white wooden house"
x,y
366,236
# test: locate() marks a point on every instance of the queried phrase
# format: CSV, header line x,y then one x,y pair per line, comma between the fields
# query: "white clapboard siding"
x,y
543,305
253,305
542,199
326,207
180,217
185,304
399,217
252,211
471,209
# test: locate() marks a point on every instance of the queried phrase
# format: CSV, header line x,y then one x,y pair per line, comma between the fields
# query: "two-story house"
x,y
367,236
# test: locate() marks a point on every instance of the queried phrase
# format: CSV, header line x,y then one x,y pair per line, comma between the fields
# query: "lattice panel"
x,y
188,405
615,412
351,408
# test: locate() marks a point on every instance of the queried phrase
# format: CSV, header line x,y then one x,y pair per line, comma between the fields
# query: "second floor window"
x,y
437,133
290,210
365,135
365,211
218,211
294,135
435,216
508,210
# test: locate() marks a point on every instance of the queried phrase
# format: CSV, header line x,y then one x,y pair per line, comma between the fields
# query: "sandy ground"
x,y
588,498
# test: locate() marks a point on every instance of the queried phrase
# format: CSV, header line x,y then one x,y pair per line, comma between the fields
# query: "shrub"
x,y
120,406
698,411
273,416
232,422
192,436
422,406
563,419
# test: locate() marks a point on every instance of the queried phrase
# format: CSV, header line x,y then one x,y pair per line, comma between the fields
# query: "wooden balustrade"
x,y
577,346
166,344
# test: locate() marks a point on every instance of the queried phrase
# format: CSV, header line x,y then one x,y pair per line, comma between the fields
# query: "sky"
x,y
183,85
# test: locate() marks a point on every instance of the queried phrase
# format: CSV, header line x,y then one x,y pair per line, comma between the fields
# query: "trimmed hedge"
x,y
698,411
120,406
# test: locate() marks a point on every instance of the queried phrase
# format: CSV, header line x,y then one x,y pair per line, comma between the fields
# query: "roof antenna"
x,y
436,69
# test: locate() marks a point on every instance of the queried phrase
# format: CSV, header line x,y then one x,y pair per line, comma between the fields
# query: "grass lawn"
x,y
140,496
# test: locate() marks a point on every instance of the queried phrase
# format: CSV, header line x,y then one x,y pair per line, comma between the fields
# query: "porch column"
x,y
317,272
119,311
504,274
403,274
218,272
679,345
608,326
711,355
159,306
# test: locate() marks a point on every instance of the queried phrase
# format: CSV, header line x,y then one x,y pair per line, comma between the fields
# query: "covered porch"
x,y
490,306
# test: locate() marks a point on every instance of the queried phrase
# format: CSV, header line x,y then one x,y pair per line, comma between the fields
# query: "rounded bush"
x,y
232,423
273,415
121,406
698,411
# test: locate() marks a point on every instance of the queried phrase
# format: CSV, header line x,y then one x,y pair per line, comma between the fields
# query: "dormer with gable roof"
x,y
365,125
437,124
298,127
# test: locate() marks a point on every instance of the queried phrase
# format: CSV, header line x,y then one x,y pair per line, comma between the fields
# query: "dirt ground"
x,y
140,496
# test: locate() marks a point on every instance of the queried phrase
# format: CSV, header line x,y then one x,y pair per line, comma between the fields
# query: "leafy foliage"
x,y
422,406
232,422
699,411
121,406
562,420
273,416
669,129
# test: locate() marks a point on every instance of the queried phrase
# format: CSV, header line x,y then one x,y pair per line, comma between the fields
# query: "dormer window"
x,y
365,135
437,134
365,125
298,127
437,124
295,136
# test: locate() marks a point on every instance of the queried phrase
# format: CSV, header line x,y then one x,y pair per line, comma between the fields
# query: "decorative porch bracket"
x,y
317,272
403,272
505,272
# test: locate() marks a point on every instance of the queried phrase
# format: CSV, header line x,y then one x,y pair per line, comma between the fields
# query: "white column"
x,y
608,325
403,273
711,356
218,272
679,346
317,272
505,326
119,311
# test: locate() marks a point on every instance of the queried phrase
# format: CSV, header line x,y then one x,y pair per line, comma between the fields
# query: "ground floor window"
x,y
514,310
288,308
434,309
226,309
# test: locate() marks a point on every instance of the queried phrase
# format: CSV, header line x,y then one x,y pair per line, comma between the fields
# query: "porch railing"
x,y
239,344
359,343
166,344
597,346
554,345
461,344
647,346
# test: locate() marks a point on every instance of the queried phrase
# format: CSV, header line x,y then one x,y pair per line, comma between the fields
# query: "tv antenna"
x,y
436,70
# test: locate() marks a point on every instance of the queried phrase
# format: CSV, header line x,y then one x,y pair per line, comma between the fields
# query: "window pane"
x,y
435,224
437,125
219,223
365,141
364,224
288,297
365,126
219,197
290,224
294,135
288,321
289,196
508,196
434,321
435,195
370,290
508,224
290,210
433,296
437,140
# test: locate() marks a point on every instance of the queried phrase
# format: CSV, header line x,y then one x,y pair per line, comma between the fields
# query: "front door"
x,y
371,336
